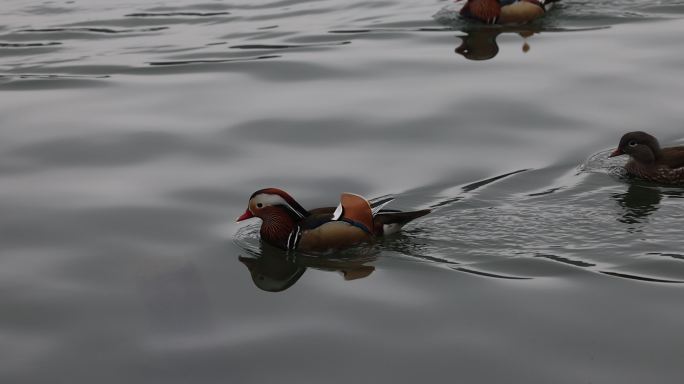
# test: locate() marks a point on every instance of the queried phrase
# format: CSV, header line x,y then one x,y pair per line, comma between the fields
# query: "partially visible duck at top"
x,y
649,161
505,11
288,226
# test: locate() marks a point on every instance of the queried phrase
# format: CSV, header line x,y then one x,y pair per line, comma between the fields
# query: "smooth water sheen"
x,y
133,133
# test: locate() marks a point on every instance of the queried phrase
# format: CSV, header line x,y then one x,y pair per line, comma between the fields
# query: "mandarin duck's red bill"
x,y
505,11
649,161
287,225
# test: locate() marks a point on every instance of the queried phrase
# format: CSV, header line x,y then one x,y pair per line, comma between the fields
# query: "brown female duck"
x,y
649,161
287,225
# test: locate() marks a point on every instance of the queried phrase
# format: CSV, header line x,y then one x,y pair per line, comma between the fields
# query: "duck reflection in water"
x,y
642,200
639,202
273,270
480,43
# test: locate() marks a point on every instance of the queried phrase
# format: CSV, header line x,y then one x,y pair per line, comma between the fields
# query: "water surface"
x,y
133,133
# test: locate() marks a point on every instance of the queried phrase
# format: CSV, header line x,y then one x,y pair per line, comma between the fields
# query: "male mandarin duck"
x,y
649,161
505,11
287,225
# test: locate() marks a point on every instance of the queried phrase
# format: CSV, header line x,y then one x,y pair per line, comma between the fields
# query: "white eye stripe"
x,y
269,199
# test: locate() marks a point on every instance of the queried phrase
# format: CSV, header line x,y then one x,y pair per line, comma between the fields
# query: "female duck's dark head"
x,y
641,146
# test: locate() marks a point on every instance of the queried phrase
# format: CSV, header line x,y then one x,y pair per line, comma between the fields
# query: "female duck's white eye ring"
x,y
259,205
632,143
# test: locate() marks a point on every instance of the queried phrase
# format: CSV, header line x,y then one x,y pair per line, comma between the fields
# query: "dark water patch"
x,y
657,268
673,193
561,259
386,32
288,13
152,22
95,30
217,6
640,278
433,29
261,66
31,82
351,31
322,39
546,192
29,45
29,52
488,274
55,71
285,46
210,61
667,10
48,10
278,4
479,184
51,76
267,27
665,254
257,35
73,32
174,14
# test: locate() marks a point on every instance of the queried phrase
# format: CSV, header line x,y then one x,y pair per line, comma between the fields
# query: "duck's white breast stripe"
x,y
288,240
293,238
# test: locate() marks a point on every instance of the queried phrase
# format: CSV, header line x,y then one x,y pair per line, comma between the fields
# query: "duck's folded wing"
x,y
673,157
354,207
355,210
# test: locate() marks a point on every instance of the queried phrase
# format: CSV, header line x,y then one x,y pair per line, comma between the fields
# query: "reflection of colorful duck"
x,y
287,225
505,11
481,44
273,272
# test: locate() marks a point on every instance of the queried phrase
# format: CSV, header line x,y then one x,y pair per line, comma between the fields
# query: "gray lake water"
x,y
133,133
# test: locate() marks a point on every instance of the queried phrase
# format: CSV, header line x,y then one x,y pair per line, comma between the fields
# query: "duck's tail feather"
x,y
386,222
378,203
